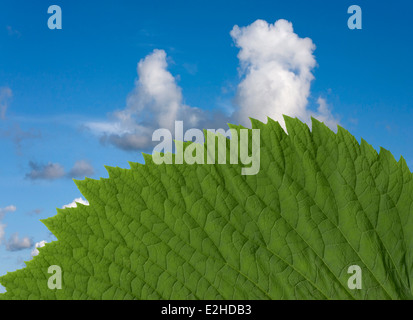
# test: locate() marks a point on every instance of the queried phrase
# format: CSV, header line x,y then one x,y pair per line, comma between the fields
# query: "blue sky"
x,y
60,89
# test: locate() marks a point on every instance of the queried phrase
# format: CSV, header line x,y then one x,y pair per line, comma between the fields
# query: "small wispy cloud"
x,y
50,171
13,32
53,171
35,212
324,113
81,169
18,135
7,209
3,212
15,243
2,232
5,95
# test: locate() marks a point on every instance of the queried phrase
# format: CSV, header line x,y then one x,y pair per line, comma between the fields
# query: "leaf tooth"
x,y
148,158
89,188
257,124
275,126
113,171
403,165
320,128
386,155
369,152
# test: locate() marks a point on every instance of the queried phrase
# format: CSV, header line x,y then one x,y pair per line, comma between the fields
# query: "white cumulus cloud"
x,y
37,245
73,204
276,73
155,102
277,68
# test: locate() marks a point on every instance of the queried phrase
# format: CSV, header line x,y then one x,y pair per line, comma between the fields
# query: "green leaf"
x,y
320,203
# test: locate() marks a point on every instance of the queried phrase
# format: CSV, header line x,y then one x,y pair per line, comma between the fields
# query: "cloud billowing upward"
x,y
5,96
277,68
156,102
16,244
53,171
81,169
276,73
